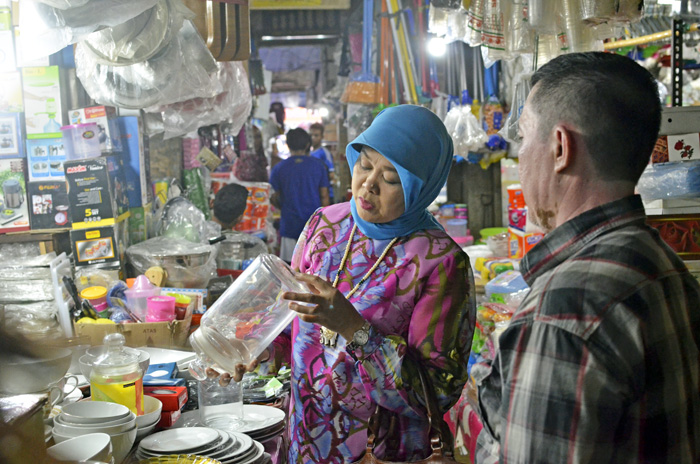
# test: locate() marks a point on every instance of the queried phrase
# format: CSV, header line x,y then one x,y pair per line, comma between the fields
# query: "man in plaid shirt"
x,y
600,363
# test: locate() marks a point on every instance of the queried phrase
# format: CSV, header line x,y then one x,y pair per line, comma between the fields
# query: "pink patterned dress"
x,y
421,296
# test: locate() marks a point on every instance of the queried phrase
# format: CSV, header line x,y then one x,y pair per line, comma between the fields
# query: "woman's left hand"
x,y
332,310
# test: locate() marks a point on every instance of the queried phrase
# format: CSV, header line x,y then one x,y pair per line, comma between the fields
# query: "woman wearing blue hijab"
x,y
385,279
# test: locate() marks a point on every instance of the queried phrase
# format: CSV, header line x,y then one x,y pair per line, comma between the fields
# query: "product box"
x,y
104,246
681,232
14,212
45,158
106,119
11,138
97,191
43,104
519,219
135,160
168,419
140,223
173,398
171,334
48,205
519,242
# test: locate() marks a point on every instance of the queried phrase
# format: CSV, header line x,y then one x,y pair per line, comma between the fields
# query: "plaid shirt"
x,y
600,363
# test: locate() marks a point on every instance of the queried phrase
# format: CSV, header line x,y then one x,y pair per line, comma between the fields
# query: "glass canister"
x,y
220,407
117,377
246,318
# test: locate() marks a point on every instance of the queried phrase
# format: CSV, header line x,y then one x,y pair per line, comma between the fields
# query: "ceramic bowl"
x,y
145,431
82,429
122,443
60,419
93,412
22,374
93,446
152,408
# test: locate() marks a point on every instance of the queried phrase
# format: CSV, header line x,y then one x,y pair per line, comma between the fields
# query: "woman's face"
x,y
376,188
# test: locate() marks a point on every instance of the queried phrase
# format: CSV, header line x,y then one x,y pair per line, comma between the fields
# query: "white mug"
x,y
58,392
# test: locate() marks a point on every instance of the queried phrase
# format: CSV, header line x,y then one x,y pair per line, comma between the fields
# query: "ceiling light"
x,y
437,46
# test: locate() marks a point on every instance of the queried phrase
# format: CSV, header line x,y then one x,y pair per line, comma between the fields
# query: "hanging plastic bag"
x,y
519,38
520,93
182,70
475,23
46,28
493,31
234,103
467,135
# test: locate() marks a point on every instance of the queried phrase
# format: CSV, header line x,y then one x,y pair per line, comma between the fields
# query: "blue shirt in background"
x,y
325,155
298,180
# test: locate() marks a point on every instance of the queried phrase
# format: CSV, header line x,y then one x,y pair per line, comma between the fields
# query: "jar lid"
x,y
116,355
93,293
180,298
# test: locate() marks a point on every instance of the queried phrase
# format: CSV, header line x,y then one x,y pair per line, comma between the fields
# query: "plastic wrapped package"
x,y
234,103
181,219
475,22
140,37
437,20
670,180
16,291
493,31
195,191
47,28
23,255
520,93
359,119
94,277
543,16
181,70
467,134
34,320
186,264
519,37
22,273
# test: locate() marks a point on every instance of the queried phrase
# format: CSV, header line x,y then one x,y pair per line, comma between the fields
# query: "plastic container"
x,y
456,227
461,211
220,407
81,141
182,305
117,377
160,309
137,296
246,318
97,296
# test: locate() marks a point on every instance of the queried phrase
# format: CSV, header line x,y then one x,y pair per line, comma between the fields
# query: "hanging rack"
x,y
645,39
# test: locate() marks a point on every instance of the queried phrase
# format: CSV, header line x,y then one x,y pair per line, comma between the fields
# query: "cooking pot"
x,y
12,190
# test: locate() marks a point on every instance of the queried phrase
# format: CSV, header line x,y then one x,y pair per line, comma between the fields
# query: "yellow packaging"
x,y
127,392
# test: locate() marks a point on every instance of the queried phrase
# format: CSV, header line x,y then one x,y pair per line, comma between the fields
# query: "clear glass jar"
x,y
117,377
246,318
220,407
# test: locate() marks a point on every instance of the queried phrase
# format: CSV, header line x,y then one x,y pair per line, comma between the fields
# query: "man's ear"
x,y
565,148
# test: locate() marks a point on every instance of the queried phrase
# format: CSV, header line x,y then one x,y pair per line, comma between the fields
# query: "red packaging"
x,y
173,398
168,418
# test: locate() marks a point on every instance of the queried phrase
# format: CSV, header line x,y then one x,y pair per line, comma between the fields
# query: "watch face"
x,y
361,337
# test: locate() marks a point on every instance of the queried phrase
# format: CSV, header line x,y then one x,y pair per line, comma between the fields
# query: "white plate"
x,y
256,418
175,441
244,446
259,451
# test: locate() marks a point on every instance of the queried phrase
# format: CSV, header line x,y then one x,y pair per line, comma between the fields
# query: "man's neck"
x,y
315,148
297,152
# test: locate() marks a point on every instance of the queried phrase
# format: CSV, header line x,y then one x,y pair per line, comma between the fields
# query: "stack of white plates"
x,y
261,423
225,447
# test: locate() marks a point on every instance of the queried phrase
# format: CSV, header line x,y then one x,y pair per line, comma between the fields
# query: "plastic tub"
x,y
97,296
456,227
81,141
161,309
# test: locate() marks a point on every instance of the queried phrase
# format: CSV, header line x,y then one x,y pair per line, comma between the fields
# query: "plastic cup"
x,y
81,141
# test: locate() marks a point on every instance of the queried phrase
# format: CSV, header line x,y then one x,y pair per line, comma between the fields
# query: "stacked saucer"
x,y
225,447
261,423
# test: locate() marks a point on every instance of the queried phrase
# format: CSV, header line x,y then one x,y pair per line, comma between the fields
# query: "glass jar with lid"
x,y
117,377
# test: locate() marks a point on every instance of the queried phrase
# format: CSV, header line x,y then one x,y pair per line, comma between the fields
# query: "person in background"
x,y
319,151
229,205
391,291
601,361
273,127
301,187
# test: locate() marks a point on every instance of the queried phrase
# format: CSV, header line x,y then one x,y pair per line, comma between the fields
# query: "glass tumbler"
x,y
220,407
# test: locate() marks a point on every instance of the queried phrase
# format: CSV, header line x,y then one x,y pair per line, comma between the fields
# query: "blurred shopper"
x,y
229,205
324,154
301,187
601,361
273,127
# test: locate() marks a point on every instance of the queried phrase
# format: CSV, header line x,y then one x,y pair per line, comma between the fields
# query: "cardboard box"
x,y
519,243
14,212
169,418
97,191
681,232
11,138
106,119
103,246
136,162
43,104
45,158
48,205
157,334
140,223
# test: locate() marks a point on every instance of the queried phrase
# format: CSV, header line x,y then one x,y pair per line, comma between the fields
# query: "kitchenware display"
x,y
117,376
225,447
22,374
12,192
88,417
81,141
246,318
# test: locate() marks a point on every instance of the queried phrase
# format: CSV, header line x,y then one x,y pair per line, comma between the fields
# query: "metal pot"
x,y
184,270
12,190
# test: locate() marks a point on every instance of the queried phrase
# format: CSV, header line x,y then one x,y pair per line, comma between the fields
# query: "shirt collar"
x,y
569,238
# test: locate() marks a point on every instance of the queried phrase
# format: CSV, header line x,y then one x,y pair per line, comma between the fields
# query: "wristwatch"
x,y
361,336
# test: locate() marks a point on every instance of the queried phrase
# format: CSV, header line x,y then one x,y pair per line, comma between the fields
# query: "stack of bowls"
x,y
90,447
152,408
86,417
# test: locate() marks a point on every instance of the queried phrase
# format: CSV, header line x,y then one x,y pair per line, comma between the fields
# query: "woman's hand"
x,y
239,371
329,307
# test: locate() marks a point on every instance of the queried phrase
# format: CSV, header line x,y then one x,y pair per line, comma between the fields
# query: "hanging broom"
x,y
364,88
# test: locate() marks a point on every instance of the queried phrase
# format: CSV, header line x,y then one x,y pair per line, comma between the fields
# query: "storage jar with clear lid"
x,y
117,377
246,318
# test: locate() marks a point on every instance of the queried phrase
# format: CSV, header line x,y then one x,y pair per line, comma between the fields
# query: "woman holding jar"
x,y
385,279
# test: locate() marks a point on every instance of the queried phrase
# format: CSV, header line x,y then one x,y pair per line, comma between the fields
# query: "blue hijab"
x,y
416,142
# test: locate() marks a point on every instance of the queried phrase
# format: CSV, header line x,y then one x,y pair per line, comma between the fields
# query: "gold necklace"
x,y
329,337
